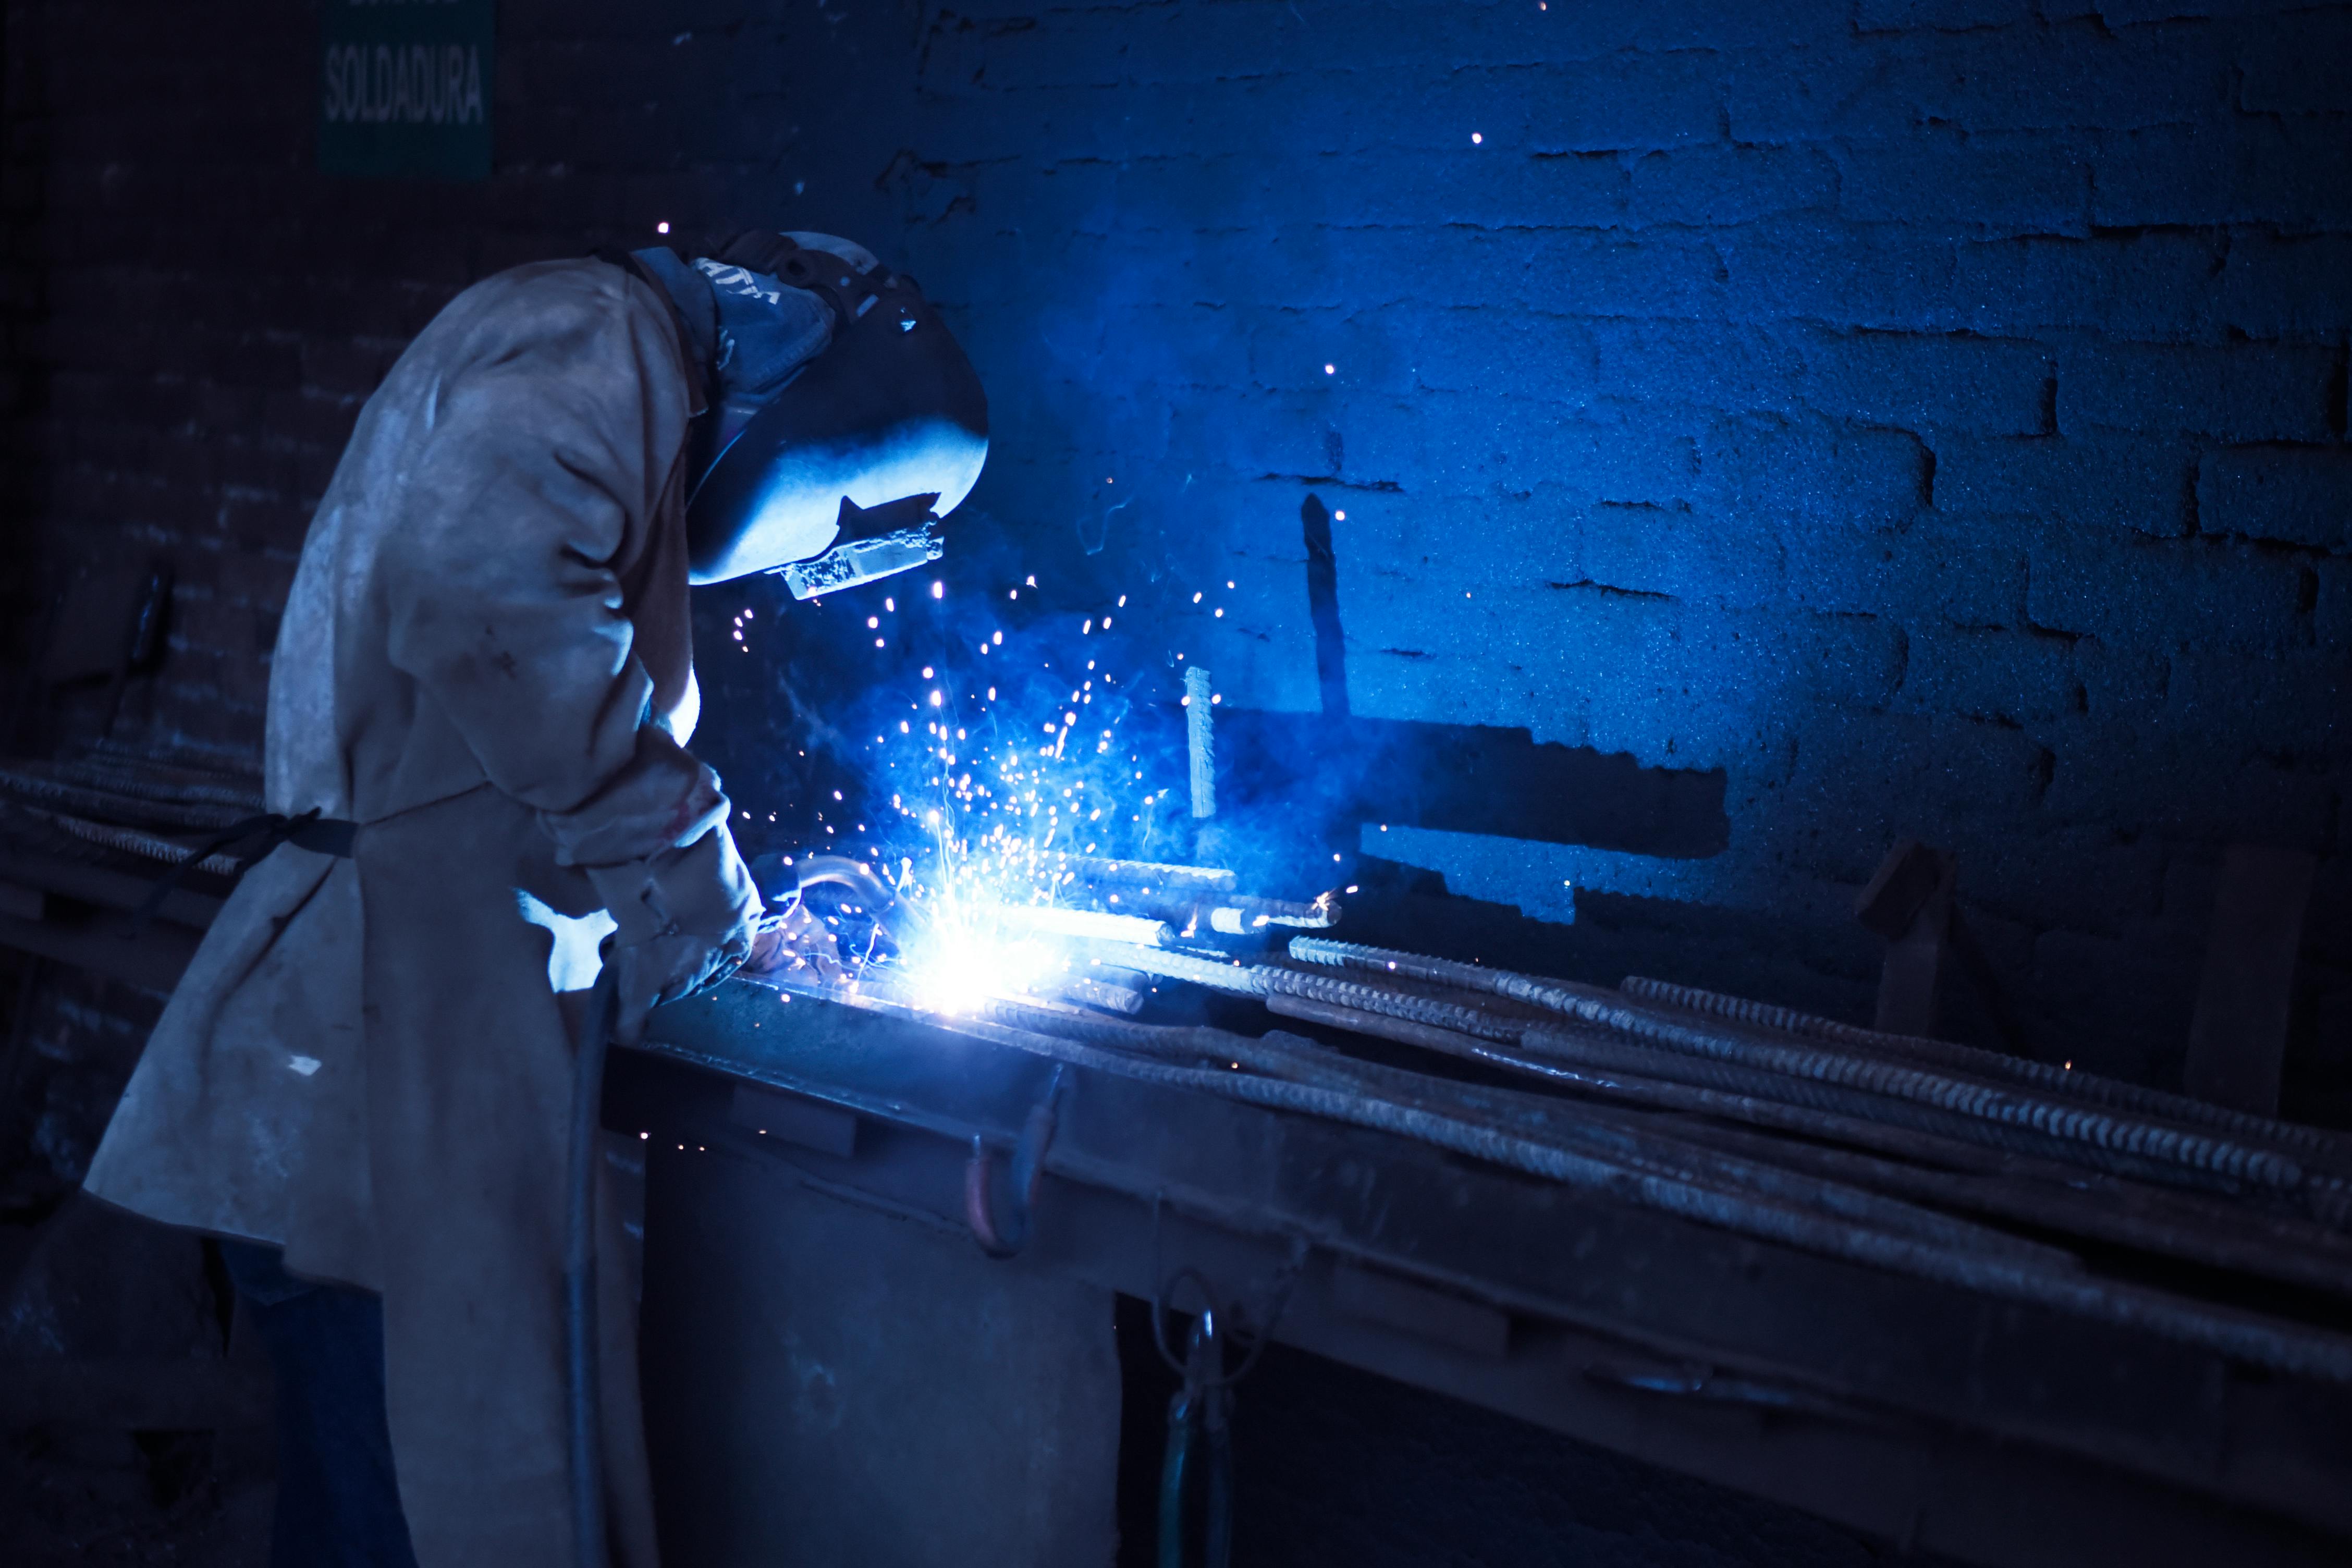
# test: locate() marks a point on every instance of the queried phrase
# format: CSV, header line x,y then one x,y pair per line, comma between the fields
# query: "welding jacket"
x,y
485,664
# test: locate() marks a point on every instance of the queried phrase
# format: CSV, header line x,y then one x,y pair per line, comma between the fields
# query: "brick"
x,y
2138,483
2091,880
1932,569
1946,381
2152,285
2294,64
1710,186
2061,77
1855,476
1627,101
2275,286
1733,560
1893,279
2164,593
1911,16
1483,448
2331,616
1988,674
2297,494
2284,708
2290,173
1861,780
2012,183
2244,392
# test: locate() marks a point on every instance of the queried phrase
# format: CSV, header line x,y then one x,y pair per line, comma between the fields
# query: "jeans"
x,y
337,1502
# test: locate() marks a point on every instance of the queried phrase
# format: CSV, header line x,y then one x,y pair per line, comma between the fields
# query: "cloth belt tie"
x,y
308,830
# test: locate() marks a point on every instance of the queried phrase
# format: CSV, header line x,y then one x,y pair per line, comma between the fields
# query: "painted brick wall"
x,y
1929,418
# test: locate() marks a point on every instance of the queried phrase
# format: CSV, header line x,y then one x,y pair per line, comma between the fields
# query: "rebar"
x,y
2313,1144
1607,1010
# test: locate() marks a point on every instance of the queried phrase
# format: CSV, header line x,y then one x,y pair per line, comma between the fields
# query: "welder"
x,y
477,779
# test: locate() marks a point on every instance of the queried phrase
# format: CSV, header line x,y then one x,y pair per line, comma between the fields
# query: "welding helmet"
x,y
842,474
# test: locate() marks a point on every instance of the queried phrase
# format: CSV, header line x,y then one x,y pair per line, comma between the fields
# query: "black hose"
x,y
583,1383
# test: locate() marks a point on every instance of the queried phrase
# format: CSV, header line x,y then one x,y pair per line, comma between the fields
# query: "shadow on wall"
x,y
1460,778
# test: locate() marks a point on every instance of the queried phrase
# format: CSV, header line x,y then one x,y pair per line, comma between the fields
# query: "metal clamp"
x,y
1002,1234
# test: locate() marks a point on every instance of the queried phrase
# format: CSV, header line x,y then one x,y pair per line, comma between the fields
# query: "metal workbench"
x,y
1925,1416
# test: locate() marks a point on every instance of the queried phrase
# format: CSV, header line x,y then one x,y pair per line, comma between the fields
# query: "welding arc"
x,y
2243,1336
2035,1192
2165,1147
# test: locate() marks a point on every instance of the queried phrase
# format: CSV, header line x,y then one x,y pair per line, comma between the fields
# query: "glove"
x,y
682,921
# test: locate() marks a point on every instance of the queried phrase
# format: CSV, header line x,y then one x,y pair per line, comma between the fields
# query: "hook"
x,y
1005,1235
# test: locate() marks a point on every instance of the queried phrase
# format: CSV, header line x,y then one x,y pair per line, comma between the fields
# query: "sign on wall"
x,y
405,88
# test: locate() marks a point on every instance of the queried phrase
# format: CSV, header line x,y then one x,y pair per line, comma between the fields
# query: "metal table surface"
x,y
1927,1415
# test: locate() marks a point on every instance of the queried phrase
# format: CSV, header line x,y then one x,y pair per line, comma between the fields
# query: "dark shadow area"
x,y
1324,1474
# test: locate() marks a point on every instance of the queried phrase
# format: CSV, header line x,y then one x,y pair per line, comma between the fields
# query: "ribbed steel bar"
x,y
1615,1051
2044,1194
2093,1127
2317,1145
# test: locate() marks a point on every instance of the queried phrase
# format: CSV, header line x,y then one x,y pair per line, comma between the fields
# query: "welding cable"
x,y
1606,1010
2293,1349
1517,1114
842,872
2037,1192
2314,1143
1616,1052
583,1382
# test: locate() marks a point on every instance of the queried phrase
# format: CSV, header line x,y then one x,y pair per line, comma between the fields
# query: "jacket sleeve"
x,y
543,464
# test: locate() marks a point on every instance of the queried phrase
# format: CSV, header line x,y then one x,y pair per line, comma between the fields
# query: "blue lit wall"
x,y
1753,432
1928,418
